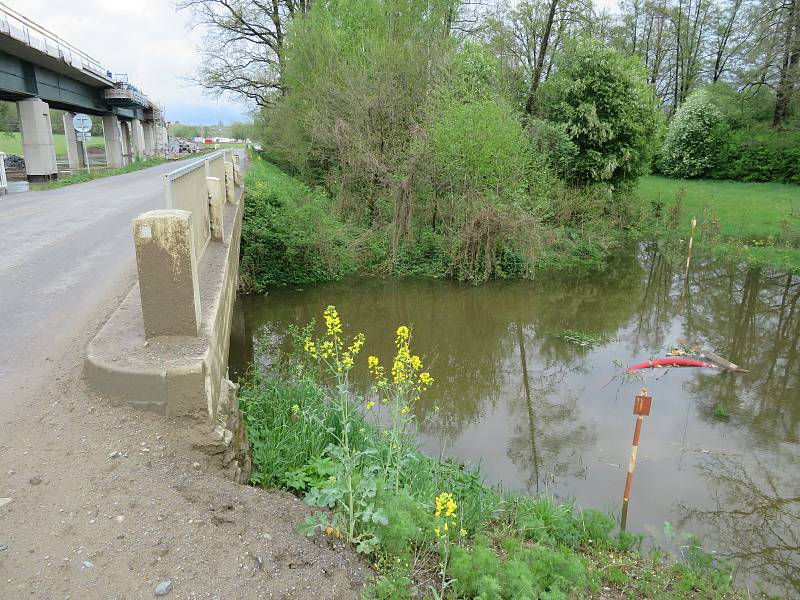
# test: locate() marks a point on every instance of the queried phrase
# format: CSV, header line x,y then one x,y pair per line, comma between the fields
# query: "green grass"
x,y
11,143
83,176
755,222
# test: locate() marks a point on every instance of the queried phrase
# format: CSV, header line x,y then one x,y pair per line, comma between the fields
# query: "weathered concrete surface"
x,y
165,259
60,252
173,375
37,139
112,135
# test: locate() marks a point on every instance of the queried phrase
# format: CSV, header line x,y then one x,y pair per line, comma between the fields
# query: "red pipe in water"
x,y
660,363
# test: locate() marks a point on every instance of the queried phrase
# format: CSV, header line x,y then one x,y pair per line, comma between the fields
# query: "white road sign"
x,y
82,123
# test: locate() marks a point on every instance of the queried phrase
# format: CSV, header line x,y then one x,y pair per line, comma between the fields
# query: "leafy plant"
x,y
582,338
693,140
608,110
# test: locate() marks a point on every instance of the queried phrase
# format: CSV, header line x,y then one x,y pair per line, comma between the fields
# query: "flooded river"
x,y
719,455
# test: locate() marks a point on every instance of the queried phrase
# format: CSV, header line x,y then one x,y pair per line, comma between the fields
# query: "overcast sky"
x,y
147,39
152,43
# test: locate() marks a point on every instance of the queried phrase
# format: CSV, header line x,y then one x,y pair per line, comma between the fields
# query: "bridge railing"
x,y
188,188
34,35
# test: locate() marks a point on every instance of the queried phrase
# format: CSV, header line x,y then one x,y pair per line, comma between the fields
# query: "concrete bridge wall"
x,y
165,349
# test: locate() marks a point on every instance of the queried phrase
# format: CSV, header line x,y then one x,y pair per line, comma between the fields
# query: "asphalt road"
x,y
62,253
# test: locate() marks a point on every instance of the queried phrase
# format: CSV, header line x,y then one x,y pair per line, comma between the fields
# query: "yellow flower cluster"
x,y
446,507
333,324
331,349
377,371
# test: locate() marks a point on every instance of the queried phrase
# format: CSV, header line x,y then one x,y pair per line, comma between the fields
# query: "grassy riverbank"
x,y
430,527
754,222
83,176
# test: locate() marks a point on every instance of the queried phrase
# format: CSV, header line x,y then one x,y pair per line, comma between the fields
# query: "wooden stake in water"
x,y
641,408
691,241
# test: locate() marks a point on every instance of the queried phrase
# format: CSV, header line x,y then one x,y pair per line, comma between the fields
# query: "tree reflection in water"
x,y
756,517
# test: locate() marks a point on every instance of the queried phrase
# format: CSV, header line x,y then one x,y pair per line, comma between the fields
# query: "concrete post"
x,y
137,135
37,139
217,201
168,283
74,149
113,139
230,192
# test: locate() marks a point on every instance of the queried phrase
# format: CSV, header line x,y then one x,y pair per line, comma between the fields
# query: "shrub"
x,y
694,138
759,155
289,233
603,101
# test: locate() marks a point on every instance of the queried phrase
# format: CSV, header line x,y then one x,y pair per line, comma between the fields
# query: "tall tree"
x,y
790,60
242,51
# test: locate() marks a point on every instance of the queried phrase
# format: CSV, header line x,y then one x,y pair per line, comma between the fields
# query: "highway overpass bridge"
x,y
39,70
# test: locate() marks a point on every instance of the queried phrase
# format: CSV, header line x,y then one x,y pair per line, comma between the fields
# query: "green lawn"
x,y
758,222
11,143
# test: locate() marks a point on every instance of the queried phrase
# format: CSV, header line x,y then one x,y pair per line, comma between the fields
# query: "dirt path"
x,y
107,502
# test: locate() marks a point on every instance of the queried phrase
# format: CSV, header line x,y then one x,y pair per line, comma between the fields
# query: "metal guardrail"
x,y
34,35
186,188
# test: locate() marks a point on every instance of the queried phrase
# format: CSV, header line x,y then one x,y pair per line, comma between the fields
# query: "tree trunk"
x,y
537,72
788,73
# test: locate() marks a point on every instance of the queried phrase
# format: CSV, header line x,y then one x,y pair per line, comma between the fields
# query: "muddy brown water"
x,y
719,455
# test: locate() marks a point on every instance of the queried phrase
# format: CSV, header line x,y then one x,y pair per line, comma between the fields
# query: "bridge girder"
x,y
20,79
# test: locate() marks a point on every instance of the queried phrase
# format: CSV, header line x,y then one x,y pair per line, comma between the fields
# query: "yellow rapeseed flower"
x,y
333,323
310,347
370,404
405,410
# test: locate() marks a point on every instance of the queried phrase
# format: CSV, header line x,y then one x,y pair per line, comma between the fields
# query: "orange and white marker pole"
x,y
641,408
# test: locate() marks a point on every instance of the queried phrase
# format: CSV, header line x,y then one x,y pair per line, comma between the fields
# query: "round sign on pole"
x,y
82,123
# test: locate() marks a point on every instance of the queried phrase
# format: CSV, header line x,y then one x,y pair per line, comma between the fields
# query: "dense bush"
x,y
694,138
289,233
607,109
759,155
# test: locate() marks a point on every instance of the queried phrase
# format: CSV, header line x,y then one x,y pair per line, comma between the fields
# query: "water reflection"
x,y
541,414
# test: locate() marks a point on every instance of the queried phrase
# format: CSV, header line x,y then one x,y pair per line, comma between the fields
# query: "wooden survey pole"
x,y
691,241
641,408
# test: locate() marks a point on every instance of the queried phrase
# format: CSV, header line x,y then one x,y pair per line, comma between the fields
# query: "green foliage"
x,y
289,234
759,154
480,149
582,338
607,109
694,138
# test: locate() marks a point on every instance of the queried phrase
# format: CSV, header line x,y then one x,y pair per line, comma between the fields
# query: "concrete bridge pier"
x,y
112,135
74,148
149,139
37,139
137,137
127,145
